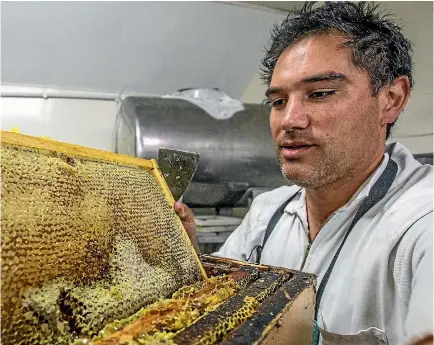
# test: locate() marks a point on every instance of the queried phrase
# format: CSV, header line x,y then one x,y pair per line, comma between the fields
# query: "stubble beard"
x,y
325,171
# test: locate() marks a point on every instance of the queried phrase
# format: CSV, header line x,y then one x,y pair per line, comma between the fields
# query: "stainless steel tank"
x,y
236,154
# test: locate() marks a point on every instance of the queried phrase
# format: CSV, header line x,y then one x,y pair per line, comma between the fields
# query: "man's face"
x,y
324,120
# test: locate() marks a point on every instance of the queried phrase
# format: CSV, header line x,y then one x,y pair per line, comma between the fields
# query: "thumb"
x,y
184,212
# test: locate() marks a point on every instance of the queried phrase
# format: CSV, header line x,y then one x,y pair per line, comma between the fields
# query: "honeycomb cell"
x,y
84,241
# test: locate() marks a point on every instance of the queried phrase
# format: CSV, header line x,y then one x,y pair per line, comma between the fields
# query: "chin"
x,y
296,177
303,176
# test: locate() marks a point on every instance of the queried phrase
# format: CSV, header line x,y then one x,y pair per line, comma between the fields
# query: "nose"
x,y
295,115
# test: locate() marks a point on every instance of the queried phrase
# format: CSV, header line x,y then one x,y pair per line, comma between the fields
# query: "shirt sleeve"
x,y
235,245
242,243
419,320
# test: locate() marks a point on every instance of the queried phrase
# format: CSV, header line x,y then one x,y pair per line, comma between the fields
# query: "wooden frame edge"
x,y
169,197
71,149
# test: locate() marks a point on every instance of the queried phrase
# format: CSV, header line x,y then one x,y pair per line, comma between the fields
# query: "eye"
x,y
321,94
277,103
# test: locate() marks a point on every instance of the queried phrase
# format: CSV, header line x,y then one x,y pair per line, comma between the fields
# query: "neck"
x,y
322,202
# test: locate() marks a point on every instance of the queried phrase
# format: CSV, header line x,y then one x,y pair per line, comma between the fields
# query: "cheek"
x,y
327,121
274,124
341,122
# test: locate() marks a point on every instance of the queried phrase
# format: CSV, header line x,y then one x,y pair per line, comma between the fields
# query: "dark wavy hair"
x,y
377,43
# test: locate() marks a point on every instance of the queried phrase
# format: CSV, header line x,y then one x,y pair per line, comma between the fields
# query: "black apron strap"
x,y
271,225
377,192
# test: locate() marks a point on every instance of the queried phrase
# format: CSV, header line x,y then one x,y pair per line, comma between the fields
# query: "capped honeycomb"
x,y
163,319
87,238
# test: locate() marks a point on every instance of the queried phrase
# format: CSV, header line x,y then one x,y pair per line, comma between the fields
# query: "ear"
x,y
393,99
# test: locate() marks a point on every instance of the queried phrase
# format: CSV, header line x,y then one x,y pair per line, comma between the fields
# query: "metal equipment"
x,y
237,154
178,168
93,253
212,231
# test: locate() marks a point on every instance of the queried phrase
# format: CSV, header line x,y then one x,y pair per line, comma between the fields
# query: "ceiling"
x,y
133,46
277,5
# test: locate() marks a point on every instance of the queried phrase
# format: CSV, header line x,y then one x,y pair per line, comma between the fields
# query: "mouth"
x,y
295,150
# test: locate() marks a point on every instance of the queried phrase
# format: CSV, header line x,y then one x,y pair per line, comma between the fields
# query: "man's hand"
x,y
187,218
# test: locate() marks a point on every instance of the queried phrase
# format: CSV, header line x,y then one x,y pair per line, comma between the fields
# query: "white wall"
x,y
77,121
415,125
144,46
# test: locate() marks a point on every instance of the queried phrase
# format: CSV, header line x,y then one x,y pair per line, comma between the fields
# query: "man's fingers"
x,y
187,218
184,212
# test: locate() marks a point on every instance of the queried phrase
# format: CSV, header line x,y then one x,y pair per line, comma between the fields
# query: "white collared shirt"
x,y
381,288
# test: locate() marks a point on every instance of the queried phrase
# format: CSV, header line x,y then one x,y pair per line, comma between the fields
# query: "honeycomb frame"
x,y
19,152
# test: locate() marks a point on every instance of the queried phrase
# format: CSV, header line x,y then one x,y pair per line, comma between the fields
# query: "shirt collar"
x,y
366,186
299,201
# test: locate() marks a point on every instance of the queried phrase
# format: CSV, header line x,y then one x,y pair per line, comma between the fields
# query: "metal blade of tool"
x,y
178,168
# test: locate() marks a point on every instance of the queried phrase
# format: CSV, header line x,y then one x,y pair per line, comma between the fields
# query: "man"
x,y
360,213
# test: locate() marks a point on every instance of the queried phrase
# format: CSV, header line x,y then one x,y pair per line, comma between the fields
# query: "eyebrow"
x,y
272,90
330,76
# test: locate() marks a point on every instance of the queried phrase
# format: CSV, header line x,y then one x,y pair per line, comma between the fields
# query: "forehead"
x,y
314,55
